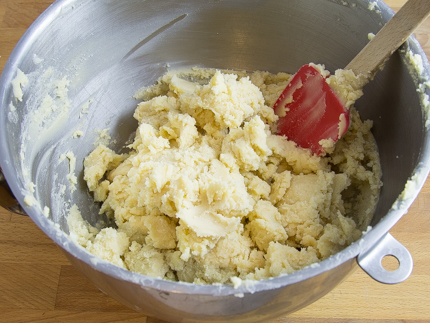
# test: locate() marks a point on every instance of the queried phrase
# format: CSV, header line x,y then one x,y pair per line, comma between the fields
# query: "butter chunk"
x,y
190,244
110,245
162,232
80,231
248,145
300,160
337,236
134,227
96,164
155,112
302,223
236,250
18,83
264,225
230,100
146,260
347,86
149,140
225,190
282,259
281,182
181,128
257,188
207,223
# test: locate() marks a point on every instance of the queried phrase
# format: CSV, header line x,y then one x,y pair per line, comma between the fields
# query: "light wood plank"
x,y
77,292
20,14
31,286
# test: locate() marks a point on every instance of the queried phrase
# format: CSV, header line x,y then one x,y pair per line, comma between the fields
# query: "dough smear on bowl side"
x,y
210,194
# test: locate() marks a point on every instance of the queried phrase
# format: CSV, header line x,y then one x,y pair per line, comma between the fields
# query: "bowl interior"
x,y
105,51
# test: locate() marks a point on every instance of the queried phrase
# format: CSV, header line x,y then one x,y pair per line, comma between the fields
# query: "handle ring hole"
x,y
390,263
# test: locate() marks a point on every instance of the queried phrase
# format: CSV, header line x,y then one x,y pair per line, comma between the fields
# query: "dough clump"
x,y
208,193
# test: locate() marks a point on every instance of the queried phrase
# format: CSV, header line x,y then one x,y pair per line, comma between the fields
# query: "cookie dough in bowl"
x,y
209,194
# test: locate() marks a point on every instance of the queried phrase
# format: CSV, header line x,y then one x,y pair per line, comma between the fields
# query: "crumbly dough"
x,y
208,193
18,83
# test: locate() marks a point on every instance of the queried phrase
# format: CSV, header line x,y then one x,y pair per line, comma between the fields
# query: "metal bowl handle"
x,y
371,261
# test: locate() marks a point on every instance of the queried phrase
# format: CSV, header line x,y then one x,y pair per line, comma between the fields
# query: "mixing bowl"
x,y
87,59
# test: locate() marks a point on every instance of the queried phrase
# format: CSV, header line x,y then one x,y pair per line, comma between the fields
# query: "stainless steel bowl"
x,y
109,49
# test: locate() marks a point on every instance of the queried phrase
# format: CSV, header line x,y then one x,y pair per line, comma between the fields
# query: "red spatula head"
x,y
309,111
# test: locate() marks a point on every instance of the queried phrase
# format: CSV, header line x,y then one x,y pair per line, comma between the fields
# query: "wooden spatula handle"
x,y
390,37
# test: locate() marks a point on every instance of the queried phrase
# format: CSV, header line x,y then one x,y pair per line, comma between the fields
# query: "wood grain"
x,y
37,283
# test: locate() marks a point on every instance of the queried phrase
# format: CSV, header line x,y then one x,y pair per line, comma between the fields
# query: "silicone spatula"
x,y
308,109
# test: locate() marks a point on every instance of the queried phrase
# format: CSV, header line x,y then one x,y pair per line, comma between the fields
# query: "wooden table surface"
x,y
37,283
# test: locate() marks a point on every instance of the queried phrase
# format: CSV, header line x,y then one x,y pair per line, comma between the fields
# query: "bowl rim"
x,y
366,242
